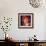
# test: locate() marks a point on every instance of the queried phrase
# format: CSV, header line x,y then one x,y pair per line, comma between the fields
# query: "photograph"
x,y
25,20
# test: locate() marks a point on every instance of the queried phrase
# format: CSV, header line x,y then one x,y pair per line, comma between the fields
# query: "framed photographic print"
x,y
25,20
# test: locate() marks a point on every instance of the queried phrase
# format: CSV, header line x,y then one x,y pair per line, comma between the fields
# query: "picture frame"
x,y
25,20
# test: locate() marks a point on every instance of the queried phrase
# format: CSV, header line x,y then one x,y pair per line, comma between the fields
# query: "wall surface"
x,y
11,8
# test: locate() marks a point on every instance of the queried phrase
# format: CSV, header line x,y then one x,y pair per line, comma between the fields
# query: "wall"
x,y
11,8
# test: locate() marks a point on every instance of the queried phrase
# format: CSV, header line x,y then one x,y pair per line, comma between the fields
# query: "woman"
x,y
26,20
